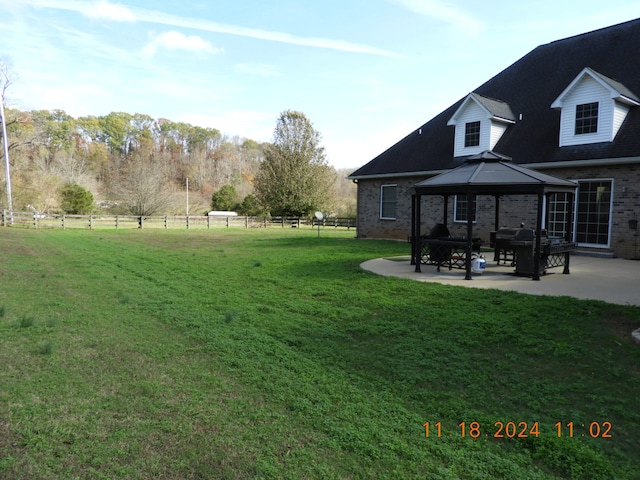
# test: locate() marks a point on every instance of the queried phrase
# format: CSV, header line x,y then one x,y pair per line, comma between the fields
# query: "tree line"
x,y
124,163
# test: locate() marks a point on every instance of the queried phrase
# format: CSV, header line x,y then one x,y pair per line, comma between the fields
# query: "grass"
x,y
176,357
25,321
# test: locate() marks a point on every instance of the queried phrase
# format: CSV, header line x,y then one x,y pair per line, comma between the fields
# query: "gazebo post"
x,y
496,252
417,237
568,234
470,208
536,251
445,210
413,229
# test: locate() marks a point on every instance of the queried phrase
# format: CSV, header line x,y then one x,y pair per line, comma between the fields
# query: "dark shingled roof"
x,y
492,173
618,86
529,87
497,108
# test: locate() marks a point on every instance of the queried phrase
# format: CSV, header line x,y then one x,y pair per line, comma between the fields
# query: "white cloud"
x,y
93,9
154,16
116,11
177,41
108,11
445,12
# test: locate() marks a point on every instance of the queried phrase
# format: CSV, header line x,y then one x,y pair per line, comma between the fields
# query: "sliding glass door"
x,y
593,219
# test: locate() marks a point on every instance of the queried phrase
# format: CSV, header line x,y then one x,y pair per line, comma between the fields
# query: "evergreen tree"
x,y
225,199
294,179
76,200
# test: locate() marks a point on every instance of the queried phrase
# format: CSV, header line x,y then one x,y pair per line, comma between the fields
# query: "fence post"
x,y
63,221
208,222
90,222
187,222
4,214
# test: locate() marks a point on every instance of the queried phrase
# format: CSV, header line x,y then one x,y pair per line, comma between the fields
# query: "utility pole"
x,y
5,143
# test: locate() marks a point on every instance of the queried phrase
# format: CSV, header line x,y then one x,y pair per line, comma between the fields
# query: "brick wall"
x,y
625,242
370,225
513,209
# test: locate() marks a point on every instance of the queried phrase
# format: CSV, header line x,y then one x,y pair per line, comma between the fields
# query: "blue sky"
x,y
365,72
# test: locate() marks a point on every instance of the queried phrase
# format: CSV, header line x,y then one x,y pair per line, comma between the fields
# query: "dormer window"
x,y
479,124
472,134
598,120
587,118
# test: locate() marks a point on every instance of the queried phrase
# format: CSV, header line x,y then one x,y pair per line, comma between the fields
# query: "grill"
x,y
517,245
501,240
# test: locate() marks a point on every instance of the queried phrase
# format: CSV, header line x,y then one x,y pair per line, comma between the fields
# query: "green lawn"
x,y
268,353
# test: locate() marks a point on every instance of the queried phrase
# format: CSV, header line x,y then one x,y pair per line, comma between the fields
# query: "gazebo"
x,y
489,173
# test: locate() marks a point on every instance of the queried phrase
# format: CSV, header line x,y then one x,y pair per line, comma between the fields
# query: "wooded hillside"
x,y
123,158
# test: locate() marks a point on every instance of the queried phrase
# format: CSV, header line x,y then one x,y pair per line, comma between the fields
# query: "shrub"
x,y
76,200
225,199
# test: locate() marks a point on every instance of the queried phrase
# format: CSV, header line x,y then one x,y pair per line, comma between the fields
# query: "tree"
x,y
115,129
76,200
144,187
294,178
225,199
251,207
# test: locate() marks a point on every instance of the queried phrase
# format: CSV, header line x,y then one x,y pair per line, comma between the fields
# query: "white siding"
x,y
472,113
497,130
619,114
587,90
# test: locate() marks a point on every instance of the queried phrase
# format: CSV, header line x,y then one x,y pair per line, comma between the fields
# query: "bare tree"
x,y
144,187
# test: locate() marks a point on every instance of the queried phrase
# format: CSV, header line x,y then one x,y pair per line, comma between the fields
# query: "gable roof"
x,y
617,90
493,108
529,87
492,173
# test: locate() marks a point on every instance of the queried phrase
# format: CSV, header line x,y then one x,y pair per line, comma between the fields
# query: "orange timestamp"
x,y
520,430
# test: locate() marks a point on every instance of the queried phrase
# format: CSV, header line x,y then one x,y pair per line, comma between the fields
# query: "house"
x,y
569,109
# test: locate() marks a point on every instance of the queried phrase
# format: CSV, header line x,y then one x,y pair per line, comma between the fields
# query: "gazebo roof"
x,y
494,174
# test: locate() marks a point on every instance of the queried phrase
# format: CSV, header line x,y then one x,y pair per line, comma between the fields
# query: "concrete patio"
x,y
612,280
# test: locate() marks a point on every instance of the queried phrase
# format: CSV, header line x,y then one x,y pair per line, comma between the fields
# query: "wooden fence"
x,y
92,222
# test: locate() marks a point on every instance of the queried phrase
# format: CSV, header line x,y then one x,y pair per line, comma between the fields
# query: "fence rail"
x,y
93,222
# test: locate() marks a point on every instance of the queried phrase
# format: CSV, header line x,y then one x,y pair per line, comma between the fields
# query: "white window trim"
x,y
545,220
575,210
598,120
382,187
479,133
455,210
